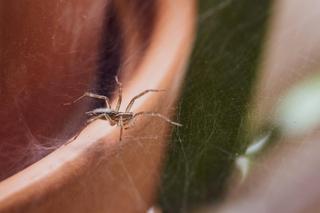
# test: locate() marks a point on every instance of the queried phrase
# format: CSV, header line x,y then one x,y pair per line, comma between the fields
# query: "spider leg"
x,y
155,114
139,95
73,138
92,95
108,118
120,94
121,129
78,133
95,118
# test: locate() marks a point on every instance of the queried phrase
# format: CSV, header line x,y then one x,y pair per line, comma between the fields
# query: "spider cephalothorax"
x,y
112,116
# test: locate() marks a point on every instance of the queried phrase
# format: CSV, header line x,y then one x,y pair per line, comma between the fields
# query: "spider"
x,y
115,117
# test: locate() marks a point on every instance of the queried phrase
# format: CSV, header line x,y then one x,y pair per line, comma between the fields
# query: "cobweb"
x,y
212,109
214,104
34,112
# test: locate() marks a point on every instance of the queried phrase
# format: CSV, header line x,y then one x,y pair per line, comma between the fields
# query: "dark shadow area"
x,y
214,103
39,77
110,53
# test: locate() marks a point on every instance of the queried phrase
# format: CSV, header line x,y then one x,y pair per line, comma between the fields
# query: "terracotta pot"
x,y
49,58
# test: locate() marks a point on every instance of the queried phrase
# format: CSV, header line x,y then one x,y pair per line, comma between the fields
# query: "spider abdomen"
x,y
100,111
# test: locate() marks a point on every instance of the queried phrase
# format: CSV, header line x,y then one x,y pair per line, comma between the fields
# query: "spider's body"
x,y
114,116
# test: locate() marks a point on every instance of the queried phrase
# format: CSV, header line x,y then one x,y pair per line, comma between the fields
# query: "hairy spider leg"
x,y
95,118
121,128
89,121
92,95
107,117
139,95
120,94
155,114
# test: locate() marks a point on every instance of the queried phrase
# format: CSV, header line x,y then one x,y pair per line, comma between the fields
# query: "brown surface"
x,y
97,173
44,63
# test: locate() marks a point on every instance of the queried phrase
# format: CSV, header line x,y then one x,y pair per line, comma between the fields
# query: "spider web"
x,y
212,108
214,104
36,119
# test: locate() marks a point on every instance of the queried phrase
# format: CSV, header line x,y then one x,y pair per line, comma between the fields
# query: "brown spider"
x,y
114,116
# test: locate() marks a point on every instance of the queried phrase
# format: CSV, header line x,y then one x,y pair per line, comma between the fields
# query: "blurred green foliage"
x,y
214,102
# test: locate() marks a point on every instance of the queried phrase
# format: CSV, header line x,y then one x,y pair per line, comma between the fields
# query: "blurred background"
x,y
215,102
249,105
251,111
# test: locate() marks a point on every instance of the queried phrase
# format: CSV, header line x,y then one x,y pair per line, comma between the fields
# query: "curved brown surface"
x,y
96,172
46,60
